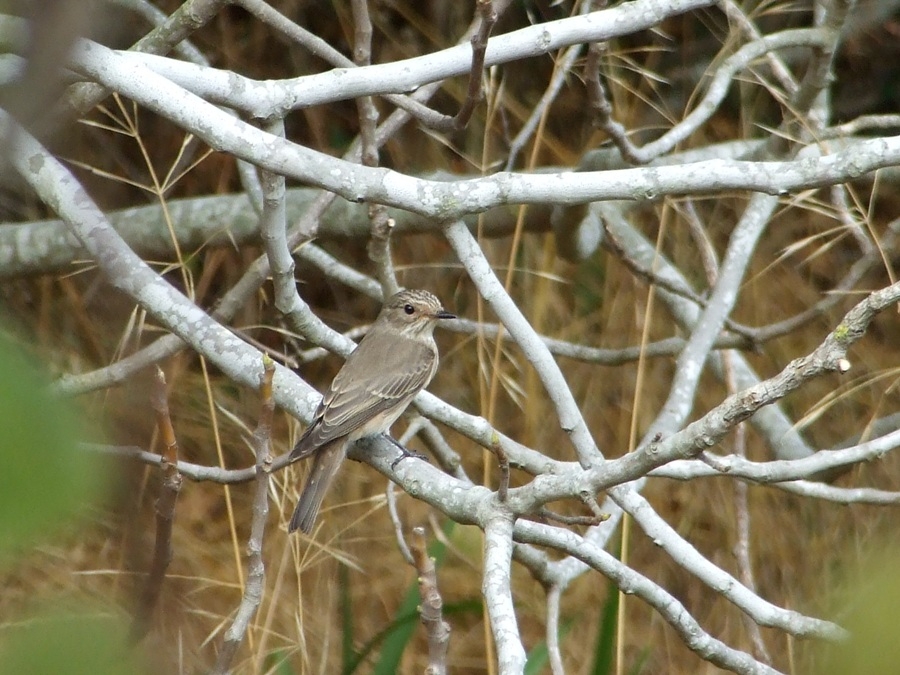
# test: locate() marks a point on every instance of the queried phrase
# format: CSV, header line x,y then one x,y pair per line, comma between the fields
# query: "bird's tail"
x,y
326,463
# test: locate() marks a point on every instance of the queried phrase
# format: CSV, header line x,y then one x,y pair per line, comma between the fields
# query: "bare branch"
x,y
487,17
599,101
742,527
595,199
253,590
431,610
736,15
391,496
633,583
165,509
781,471
553,597
570,419
562,68
452,200
497,590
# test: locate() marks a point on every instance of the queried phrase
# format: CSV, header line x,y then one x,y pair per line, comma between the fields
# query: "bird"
x,y
395,360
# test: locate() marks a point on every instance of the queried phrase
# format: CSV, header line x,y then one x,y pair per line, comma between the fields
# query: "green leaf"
x,y
278,663
539,656
537,660
398,634
349,657
75,644
866,605
605,646
44,477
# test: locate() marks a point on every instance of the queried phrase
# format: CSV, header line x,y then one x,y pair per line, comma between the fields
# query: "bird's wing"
x,y
403,368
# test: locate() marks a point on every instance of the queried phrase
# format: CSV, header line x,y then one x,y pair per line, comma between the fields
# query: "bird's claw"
x,y
404,453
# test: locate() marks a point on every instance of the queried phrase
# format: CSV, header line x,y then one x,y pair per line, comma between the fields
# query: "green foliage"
x,y
43,475
640,662
395,638
279,663
349,657
539,656
605,646
399,633
44,478
75,643
868,611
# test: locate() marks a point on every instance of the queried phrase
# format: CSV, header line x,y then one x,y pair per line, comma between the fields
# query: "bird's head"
x,y
413,312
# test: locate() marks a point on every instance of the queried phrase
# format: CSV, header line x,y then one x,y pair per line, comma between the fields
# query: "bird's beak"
x,y
444,314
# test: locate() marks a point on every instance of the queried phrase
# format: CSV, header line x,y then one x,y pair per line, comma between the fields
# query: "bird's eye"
x,y
409,309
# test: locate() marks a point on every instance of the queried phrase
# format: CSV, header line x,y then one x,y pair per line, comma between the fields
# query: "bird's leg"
x,y
404,452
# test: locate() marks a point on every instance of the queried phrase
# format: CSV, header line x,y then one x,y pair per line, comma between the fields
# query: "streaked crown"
x,y
413,311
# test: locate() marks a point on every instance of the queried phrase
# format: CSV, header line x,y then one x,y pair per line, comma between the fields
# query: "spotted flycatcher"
x,y
394,361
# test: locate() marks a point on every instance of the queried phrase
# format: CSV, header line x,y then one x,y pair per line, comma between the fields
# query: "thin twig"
x,y
780,471
741,504
482,275
503,462
562,68
841,204
562,519
391,495
553,597
742,544
411,105
736,15
487,17
253,591
447,458
431,607
652,277
184,21
599,101
165,509
704,245
381,226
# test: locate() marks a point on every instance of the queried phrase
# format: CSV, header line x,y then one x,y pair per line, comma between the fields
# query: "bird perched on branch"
x,y
394,361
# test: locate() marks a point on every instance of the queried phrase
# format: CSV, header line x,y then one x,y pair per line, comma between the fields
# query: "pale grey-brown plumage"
x,y
394,361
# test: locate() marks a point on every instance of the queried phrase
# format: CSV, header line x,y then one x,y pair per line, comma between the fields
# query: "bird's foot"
x,y
404,453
